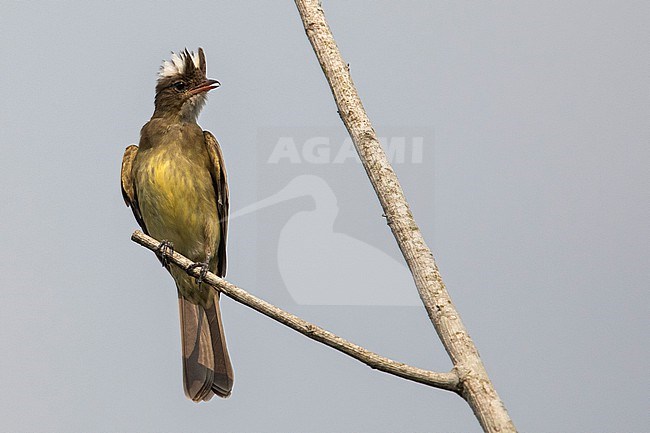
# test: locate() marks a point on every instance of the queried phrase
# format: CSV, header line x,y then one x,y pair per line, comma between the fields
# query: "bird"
x,y
175,183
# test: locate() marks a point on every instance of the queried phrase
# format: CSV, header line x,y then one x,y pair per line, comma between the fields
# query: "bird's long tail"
x,y
206,364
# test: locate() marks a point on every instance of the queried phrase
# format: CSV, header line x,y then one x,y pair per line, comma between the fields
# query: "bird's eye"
x,y
179,85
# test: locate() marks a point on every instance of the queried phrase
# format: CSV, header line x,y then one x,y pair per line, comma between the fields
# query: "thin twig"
x,y
448,381
475,384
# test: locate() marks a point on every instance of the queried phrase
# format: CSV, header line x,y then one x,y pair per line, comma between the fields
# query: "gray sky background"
x,y
536,208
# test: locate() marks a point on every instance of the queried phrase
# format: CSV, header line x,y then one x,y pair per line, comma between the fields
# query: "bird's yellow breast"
x,y
177,199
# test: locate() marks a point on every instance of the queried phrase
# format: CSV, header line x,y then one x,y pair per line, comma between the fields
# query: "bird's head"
x,y
183,85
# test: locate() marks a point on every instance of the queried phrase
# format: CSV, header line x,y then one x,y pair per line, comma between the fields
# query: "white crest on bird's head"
x,y
182,85
177,65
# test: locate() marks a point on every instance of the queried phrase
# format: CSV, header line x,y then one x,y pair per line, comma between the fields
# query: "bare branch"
x,y
476,386
448,381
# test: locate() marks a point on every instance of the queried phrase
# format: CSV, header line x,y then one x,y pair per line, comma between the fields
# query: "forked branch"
x,y
448,381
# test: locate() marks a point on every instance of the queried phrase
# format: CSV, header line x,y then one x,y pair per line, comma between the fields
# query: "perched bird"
x,y
175,183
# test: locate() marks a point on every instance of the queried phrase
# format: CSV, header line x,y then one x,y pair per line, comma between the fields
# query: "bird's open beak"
x,y
205,86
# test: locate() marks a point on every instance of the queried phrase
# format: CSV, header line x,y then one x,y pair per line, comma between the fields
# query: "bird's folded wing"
x,y
129,191
220,183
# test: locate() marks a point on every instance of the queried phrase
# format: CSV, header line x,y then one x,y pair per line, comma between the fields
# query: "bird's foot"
x,y
166,250
202,273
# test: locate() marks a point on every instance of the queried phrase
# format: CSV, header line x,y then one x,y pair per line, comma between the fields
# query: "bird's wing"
x,y
220,183
128,184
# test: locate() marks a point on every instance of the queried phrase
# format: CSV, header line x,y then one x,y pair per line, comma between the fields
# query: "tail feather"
x,y
206,364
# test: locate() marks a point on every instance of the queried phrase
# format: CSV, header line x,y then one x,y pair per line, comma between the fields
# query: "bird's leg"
x,y
166,250
204,270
